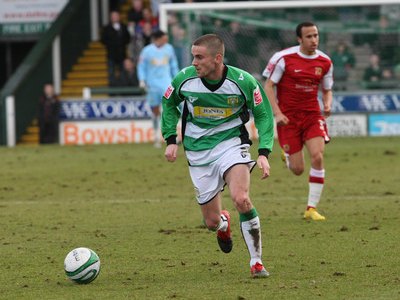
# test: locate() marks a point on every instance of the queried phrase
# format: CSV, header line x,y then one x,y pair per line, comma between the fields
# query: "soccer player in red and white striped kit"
x,y
294,77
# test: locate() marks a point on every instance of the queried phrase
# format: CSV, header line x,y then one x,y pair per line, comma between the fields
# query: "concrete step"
x,y
29,139
33,130
95,52
68,91
90,59
96,45
90,67
87,75
82,82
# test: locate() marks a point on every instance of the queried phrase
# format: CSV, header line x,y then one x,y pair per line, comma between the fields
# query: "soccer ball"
x,y
82,265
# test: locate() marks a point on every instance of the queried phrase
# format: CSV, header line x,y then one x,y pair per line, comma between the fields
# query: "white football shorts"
x,y
209,180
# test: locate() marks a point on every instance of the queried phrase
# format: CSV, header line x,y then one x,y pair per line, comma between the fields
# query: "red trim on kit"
x,y
314,179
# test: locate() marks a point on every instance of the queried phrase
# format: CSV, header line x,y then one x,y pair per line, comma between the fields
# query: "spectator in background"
x,y
143,32
128,77
115,37
156,67
343,62
373,73
396,75
141,40
387,41
180,46
148,17
145,36
135,15
232,37
49,109
155,6
116,4
388,80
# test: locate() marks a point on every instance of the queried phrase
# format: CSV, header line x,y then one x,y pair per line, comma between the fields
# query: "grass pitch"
x,y
138,213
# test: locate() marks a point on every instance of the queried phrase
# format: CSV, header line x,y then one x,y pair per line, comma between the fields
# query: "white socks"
x,y
252,236
316,185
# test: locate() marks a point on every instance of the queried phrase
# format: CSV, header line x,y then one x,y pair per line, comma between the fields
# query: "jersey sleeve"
x,y
263,118
141,66
269,69
278,71
327,80
170,114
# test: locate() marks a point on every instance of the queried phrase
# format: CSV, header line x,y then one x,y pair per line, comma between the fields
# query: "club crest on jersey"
x,y
233,100
168,92
257,96
318,71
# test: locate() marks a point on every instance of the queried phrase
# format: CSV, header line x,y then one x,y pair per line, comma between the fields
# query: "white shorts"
x,y
209,180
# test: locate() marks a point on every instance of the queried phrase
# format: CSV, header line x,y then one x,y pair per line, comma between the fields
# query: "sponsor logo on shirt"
x,y
213,112
257,97
160,61
168,92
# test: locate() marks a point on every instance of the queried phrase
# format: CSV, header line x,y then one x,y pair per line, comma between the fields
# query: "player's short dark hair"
x,y
301,25
158,34
213,42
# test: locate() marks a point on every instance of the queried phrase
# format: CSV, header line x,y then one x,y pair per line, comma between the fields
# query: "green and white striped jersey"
x,y
215,114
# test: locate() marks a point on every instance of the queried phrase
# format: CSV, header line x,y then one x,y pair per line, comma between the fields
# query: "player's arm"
x,y
264,122
327,101
141,70
280,118
169,120
273,72
327,83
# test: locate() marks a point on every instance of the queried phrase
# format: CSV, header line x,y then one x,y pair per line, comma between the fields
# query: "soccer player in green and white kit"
x,y
217,100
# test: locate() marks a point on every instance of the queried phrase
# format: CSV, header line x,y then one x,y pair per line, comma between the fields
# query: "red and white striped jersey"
x,y
298,76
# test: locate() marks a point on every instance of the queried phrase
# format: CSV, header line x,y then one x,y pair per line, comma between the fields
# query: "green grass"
x,y
138,213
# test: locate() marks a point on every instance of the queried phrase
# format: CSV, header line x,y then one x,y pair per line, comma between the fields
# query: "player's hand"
x,y
327,111
281,119
263,164
142,84
171,152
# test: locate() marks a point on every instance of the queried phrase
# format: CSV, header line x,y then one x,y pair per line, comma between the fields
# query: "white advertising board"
x,y
347,125
27,11
28,17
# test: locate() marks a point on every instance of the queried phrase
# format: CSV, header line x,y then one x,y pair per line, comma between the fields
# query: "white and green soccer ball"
x,y
82,265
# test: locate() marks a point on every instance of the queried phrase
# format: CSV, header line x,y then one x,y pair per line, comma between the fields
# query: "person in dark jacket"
x,y
115,36
49,109
128,77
